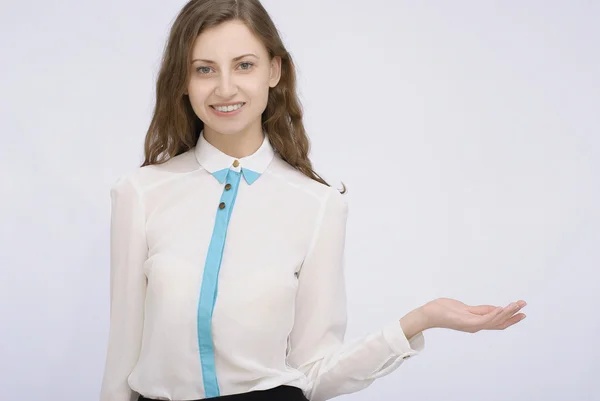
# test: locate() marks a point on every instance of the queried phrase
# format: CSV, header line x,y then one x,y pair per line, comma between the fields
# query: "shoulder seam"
x,y
320,218
139,196
300,187
173,176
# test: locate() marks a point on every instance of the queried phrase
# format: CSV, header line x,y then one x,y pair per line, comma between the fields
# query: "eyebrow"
x,y
235,59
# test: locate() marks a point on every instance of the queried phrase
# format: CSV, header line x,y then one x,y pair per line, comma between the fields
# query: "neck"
x,y
238,145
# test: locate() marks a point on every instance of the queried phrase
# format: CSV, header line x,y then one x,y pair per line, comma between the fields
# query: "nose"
x,y
226,88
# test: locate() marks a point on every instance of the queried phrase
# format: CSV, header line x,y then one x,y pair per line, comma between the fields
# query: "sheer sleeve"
x,y
128,251
316,343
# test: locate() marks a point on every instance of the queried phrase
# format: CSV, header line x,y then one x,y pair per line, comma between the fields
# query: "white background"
x,y
466,132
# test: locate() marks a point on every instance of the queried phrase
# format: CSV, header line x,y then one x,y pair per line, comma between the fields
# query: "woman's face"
x,y
230,78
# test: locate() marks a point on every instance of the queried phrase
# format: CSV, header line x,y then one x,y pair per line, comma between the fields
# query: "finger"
x,y
507,313
513,320
481,309
485,309
521,303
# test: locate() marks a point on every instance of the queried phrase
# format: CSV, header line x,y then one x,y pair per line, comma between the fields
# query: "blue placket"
x,y
208,291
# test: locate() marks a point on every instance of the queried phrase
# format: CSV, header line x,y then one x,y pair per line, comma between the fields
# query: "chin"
x,y
228,129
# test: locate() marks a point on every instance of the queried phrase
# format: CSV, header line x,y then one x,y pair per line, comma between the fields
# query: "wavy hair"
x,y
175,128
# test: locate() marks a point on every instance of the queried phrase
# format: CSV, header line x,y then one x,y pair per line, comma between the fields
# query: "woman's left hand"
x,y
453,314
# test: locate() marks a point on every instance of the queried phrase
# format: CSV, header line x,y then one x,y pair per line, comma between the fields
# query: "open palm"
x,y
453,314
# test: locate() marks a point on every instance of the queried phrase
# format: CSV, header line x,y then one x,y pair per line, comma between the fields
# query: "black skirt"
x,y
287,393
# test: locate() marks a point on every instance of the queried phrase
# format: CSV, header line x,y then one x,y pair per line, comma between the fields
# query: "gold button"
x,y
222,205
236,163
227,187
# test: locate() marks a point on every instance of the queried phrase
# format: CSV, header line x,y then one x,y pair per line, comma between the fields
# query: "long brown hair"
x,y
175,128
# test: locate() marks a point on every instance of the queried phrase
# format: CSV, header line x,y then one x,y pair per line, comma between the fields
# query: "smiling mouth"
x,y
230,108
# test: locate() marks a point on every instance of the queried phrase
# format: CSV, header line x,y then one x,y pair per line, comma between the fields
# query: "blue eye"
x,y
202,70
248,64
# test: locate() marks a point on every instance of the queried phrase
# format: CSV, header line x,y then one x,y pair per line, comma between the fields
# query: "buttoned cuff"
x,y
400,345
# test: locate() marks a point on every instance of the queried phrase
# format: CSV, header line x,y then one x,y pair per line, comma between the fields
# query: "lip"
x,y
227,114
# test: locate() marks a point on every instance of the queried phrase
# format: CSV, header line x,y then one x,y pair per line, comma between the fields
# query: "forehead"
x,y
226,41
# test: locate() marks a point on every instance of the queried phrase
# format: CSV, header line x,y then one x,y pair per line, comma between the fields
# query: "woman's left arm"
x,y
316,343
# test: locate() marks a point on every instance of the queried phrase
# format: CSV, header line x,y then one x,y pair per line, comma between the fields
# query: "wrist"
x,y
414,322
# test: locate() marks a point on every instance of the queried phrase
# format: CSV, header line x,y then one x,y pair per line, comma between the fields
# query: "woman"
x,y
227,248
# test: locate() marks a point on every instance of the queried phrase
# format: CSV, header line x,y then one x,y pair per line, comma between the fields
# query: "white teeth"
x,y
226,109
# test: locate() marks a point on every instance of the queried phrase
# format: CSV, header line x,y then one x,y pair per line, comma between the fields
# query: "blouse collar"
x,y
218,163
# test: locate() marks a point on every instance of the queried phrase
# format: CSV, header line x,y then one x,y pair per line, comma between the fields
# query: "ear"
x,y
275,74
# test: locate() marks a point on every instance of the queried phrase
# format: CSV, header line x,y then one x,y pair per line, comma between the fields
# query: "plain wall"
x,y
466,132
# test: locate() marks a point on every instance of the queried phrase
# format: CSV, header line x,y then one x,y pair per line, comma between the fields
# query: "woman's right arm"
x,y
128,252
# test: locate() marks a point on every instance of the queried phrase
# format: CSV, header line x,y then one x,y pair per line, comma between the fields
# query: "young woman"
x,y
227,248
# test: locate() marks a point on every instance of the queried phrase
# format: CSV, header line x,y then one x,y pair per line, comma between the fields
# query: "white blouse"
x,y
227,277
